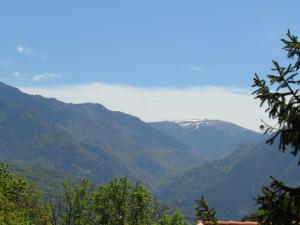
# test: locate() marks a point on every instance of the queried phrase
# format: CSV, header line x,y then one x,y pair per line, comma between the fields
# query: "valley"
x,y
49,141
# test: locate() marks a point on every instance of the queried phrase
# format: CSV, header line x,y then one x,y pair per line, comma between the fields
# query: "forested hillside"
x,y
117,202
231,184
213,139
87,140
49,141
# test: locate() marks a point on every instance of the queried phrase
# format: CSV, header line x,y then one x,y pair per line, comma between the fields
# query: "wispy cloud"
x,y
45,76
19,75
24,50
29,51
36,77
153,104
196,68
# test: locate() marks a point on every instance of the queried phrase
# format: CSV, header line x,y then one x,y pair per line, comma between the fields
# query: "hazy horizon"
x,y
159,104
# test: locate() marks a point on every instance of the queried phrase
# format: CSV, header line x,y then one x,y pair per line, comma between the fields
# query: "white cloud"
x,y
36,77
45,76
28,51
196,69
20,76
153,104
24,50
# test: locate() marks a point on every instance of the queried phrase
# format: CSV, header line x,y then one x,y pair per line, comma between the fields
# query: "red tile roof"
x,y
230,223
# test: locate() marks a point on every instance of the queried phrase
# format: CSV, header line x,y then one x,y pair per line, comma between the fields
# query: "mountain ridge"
x,y
214,139
230,185
119,144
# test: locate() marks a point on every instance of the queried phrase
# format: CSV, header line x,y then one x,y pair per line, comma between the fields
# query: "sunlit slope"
x,y
88,140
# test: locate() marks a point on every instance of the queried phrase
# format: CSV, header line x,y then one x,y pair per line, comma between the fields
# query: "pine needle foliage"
x,y
278,203
204,213
281,95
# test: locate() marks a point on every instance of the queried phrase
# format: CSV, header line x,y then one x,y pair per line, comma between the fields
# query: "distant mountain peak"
x,y
213,139
193,123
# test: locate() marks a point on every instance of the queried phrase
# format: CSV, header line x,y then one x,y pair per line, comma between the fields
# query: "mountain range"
x,y
47,141
88,140
230,185
213,139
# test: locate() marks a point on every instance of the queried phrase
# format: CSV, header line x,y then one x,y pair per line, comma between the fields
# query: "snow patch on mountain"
x,y
195,124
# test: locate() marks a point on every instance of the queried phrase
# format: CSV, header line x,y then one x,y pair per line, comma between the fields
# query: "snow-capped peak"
x,y
193,123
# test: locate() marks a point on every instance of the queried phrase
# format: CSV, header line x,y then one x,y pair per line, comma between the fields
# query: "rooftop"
x,y
230,223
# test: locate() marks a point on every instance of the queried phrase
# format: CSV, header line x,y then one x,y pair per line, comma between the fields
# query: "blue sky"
x,y
142,44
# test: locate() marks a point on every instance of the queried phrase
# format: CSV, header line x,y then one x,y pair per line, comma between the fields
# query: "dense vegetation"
x,y
280,203
231,184
71,141
46,152
117,203
45,178
19,201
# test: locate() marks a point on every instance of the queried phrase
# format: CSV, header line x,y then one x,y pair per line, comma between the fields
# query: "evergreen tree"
x,y
278,203
204,213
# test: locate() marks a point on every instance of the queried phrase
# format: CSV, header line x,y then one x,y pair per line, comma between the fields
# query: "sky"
x,y
158,60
